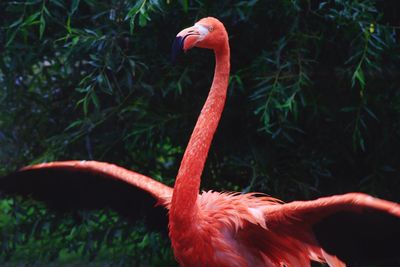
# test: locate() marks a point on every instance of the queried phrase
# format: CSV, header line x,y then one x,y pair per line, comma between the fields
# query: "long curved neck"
x,y
187,184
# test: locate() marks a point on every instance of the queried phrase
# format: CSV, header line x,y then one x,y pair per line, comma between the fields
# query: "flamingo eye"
x,y
210,28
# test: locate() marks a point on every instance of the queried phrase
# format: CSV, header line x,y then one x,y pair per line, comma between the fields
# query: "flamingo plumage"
x,y
243,230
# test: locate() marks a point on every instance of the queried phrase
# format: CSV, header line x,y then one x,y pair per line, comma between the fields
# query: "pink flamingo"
x,y
233,229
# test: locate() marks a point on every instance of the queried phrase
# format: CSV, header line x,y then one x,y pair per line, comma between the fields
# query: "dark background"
x,y
313,108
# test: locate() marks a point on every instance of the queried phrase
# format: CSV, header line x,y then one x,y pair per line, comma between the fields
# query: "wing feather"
x,y
355,227
87,185
158,190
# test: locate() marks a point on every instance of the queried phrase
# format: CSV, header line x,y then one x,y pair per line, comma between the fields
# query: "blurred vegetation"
x,y
313,108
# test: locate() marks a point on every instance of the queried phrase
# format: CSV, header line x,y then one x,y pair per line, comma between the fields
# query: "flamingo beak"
x,y
187,39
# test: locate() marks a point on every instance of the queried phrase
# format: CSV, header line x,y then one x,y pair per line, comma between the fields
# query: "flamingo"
x,y
233,229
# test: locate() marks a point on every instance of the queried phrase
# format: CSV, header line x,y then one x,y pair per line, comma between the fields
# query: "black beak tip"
x,y
177,48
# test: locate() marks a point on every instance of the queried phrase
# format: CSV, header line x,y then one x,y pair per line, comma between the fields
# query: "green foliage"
x,y
32,235
313,107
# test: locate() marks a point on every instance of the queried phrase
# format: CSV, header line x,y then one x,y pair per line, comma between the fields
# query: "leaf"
x,y
85,89
108,88
31,19
266,119
359,76
95,100
132,13
238,80
75,40
86,104
11,39
358,140
74,6
379,40
132,24
135,9
16,23
69,25
91,32
73,125
133,67
388,168
42,26
58,3
46,11
348,109
322,5
370,113
185,6
142,20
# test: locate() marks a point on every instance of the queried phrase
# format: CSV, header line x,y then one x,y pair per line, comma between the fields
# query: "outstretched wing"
x,y
83,185
355,227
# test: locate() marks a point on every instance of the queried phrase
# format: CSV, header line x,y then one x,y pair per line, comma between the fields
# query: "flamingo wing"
x,y
355,227
76,185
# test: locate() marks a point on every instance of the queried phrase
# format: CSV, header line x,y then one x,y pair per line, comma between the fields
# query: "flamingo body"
x,y
235,229
244,230
248,230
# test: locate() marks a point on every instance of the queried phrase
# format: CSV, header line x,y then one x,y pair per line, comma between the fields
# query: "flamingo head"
x,y
207,33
